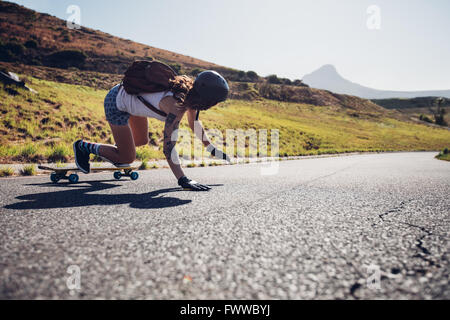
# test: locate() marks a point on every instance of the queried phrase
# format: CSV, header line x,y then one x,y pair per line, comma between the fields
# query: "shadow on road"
x,y
81,197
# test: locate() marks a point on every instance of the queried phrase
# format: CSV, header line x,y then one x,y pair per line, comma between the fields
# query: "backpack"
x,y
148,77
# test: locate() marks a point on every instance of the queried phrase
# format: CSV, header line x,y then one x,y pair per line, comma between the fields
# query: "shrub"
x,y
15,48
252,75
273,79
286,81
29,170
59,153
423,117
66,59
144,165
31,44
143,153
195,72
29,150
299,83
6,55
176,67
11,51
36,62
6,172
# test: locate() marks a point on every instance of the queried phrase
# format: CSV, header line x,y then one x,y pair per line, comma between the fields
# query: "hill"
x,y
41,127
105,53
418,108
42,46
73,69
328,78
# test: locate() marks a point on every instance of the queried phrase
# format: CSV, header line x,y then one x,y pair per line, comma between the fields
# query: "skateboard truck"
x,y
62,173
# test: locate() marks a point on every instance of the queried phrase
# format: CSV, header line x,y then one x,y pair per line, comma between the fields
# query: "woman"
x,y
127,116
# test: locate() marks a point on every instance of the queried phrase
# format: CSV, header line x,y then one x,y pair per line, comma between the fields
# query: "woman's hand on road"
x,y
192,185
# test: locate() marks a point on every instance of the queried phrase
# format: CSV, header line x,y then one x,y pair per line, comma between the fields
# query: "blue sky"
x,y
290,38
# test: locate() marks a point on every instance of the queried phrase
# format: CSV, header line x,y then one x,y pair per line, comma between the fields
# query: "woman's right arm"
x,y
172,124
170,140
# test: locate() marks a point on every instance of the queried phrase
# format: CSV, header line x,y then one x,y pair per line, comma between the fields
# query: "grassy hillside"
x,y
41,127
423,108
72,70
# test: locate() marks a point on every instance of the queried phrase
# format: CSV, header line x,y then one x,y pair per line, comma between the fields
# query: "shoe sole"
x,y
76,162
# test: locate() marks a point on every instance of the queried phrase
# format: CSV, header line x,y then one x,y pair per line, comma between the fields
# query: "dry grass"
x,y
6,172
28,170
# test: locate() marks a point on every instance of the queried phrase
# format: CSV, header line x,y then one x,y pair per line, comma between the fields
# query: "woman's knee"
x,y
141,142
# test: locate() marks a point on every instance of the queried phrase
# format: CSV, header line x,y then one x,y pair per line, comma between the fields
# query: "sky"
x,y
399,45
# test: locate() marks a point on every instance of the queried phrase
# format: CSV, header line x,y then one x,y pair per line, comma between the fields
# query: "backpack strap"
x,y
151,107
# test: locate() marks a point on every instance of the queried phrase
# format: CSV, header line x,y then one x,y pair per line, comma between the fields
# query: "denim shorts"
x,y
114,115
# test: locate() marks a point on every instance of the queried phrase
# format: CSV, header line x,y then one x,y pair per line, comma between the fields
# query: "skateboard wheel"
x,y
73,178
54,177
117,175
134,176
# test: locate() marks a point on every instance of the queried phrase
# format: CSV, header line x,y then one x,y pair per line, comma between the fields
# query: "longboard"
x,y
61,173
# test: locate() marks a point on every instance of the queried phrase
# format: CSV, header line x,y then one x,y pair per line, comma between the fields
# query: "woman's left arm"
x,y
197,127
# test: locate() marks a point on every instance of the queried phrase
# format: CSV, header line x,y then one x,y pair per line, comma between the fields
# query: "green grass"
x,y
444,155
40,127
28,170
59,153
6,172
144,165
28,150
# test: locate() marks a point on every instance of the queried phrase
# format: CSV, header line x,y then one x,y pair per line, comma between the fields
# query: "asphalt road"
x,y
309,232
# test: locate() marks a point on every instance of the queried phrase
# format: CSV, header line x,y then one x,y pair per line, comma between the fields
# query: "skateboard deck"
x,y
62,173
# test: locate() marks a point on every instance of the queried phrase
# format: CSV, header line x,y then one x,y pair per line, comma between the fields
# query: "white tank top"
x,y
131,104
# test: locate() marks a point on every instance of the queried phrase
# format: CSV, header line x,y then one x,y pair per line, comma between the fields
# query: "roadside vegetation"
x,y
42,127
444,155
6,171
28,170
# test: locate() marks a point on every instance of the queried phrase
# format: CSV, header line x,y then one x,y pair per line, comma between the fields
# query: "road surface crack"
x,y
423,253
396,209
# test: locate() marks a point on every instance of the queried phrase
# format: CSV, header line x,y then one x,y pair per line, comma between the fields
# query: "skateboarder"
x,y
127,116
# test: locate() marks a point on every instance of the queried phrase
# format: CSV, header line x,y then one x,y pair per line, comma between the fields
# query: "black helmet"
x,y
211,87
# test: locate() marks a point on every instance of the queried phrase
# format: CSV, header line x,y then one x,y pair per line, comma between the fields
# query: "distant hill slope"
x,y
105,52
33,42
416,108
32,38
328,78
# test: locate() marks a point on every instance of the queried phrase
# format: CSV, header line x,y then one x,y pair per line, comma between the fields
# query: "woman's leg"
x,y
139,128
124,152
